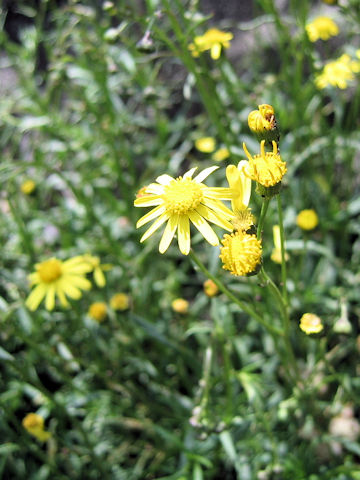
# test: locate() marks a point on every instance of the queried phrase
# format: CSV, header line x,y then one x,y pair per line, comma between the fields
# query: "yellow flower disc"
x,y
307,219
98,311
120,301
180,305
49,270
267,168
210,288
182,196
241,253
205,144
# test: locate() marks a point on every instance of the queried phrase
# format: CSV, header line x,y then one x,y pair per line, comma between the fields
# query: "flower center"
x,y
182,196
268,170
50,270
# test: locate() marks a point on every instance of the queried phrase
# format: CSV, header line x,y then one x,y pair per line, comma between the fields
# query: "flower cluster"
x,y
214,40
321,28
338,73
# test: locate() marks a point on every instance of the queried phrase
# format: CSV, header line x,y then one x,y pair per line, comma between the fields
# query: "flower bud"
x,y
263,124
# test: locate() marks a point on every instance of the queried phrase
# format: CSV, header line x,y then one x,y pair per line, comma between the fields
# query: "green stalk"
x,y
246,308
282,246
264,208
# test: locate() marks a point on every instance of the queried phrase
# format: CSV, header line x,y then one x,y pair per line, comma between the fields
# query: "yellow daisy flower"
x,y
276,253
180,305
34,424
266,168
54,277
181,200
205,144
307,219
28,187
213,40
221,154
241,253
120,301
338,73
97,269
311,323
321,27
98,311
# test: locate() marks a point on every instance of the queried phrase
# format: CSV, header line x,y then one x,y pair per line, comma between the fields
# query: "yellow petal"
x,y
99,277
154,226
148,201
50,298
215,51
218,207
77,281
213,217
276,235
204,174
184,234
71,291
155,212
61,295
204,228
35,297
169,233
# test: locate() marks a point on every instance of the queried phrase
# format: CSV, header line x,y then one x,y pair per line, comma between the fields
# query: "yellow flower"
x,y
55,277
266,168
180,305
205,144
34,424
321,27
338,73
28,187
98,311
276,253
210,288
213,40
241,253
310,323
307,219
221,154
240,184
330,2
262,122
97,268
120,301
181,200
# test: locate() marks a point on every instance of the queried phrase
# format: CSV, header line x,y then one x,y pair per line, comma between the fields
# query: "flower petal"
x,y
215,51
215,218
184,234
99,277
218,207
221,193
50,297
155,226
154,188
169,233
204,174
155,212
148,201
35,297
204,228
78,281
164,179
190,172
61,295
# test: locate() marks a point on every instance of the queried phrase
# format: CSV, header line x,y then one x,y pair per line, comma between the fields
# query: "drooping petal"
x,y
220,193
155,212
204,174
215,218
78,281
218,207
184,234
215,51
169,233
148,201
50,297
99,277
35,297
154,188
70,290
155,226
61,295
204,228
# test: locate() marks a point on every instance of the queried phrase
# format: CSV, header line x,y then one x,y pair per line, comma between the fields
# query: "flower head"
x,y
34,424
338,73
180,305
55,277
213,40
307,219
241,253
120,301
321,27
97,269
241,187
205,144
178,201
28,187
210,288
98,311
311,323
276,253
262,122
221,154
267,168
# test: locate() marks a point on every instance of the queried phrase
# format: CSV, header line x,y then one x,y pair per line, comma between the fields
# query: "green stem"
x,y
246,308
264,208
282,246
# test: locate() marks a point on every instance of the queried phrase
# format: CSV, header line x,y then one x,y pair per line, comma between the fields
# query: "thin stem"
x,y
264,208
246,308
282,246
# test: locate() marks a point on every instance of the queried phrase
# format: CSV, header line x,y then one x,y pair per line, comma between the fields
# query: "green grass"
x,y
232,389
